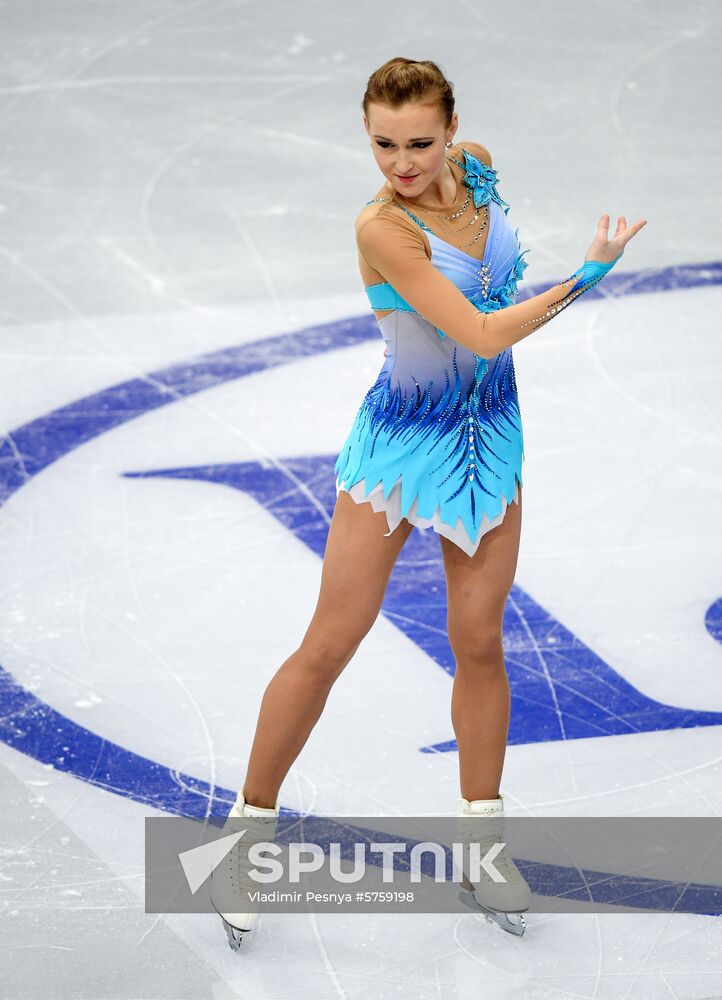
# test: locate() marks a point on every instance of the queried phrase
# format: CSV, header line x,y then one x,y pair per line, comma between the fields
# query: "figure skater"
x,y
436,443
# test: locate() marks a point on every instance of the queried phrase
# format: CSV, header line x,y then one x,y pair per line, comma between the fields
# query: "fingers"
x,y
631,231
623,230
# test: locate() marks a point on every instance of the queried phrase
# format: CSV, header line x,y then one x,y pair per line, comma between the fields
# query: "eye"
x,y
417,145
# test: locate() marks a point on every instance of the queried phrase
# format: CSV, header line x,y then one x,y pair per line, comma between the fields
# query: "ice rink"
x,y
184,342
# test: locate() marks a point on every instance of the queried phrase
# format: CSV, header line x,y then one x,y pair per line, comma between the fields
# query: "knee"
x,y
478,647
324,657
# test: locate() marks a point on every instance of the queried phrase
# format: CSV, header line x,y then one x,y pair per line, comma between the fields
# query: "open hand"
x,y
605,250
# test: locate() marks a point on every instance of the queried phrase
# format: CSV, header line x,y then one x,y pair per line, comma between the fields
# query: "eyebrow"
x,y
417,139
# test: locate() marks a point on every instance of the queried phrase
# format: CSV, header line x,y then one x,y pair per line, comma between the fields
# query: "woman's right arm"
x,y
388,250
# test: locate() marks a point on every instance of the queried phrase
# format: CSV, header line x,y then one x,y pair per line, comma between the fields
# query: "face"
x,y
409,140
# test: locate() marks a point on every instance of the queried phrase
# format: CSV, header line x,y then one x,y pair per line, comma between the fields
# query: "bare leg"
x,y
477,588
357,565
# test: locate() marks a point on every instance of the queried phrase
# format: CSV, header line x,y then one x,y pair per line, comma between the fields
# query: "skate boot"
x,y
500,902
230,881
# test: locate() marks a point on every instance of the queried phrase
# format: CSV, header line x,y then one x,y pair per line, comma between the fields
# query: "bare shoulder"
x,y
476,149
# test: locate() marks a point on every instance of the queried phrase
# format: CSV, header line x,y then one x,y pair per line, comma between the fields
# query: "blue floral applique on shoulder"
x,y
482,179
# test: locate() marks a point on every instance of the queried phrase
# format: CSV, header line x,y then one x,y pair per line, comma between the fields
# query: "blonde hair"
x,y
400,80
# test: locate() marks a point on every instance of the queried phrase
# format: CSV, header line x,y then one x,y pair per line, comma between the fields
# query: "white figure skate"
x,y
500,902
230,880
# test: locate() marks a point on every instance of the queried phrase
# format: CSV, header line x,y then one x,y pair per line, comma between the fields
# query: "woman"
x,y
437,443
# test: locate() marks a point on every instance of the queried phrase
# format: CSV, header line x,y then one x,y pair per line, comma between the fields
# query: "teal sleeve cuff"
x,y
592,271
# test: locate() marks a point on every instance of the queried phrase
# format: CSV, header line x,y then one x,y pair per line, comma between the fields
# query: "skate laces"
x,y
493,834
258,830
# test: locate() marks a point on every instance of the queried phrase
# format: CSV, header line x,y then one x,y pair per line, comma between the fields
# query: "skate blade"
x,y
513,923
235,936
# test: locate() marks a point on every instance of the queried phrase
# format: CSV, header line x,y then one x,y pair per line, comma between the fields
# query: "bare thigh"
x,y
478,586
357,564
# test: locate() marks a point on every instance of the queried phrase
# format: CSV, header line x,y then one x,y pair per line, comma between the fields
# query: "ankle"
x,y
259,800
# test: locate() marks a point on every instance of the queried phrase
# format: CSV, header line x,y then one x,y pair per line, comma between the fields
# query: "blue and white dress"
x,y
438,437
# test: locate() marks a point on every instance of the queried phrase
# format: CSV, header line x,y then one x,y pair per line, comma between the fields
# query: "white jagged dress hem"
x,y
391,506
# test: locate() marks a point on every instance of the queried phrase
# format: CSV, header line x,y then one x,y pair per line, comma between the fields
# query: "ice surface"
x,y
180,179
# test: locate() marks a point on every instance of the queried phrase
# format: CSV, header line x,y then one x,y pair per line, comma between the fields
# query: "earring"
x,y
449,143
